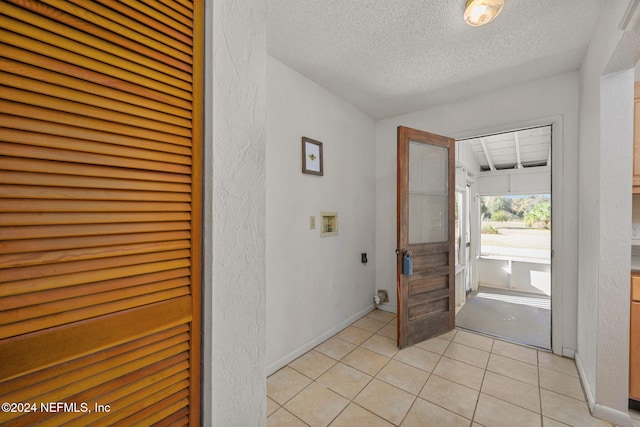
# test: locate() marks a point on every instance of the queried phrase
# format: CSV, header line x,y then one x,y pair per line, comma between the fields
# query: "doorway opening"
x,y
503,235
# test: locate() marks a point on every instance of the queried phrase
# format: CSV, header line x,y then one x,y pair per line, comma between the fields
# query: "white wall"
x,y
234,273
606,132
515,181
466,159
539,102
315,285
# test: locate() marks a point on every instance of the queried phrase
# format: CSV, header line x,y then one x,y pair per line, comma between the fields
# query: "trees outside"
x,y
516,226
534,210
539,215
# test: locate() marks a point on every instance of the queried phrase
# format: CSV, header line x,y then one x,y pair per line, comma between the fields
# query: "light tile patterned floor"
x,y
359,378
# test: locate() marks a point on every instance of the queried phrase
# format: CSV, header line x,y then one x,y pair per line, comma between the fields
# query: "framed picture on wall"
x,y
311,156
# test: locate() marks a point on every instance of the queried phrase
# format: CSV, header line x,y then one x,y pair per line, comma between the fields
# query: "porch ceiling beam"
x,y
517,141
486,154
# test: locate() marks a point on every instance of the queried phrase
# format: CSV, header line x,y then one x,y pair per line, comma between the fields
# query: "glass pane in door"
x,y
428,193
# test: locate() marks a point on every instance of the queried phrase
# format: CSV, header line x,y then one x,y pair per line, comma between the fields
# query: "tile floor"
x,y
359,378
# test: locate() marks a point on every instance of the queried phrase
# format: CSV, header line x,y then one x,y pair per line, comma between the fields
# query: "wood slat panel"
x,y
152,19
105,29
41,28
78,120
171,15
38,192
98,287
177,419
66,136
94,60
88,194
166,122
72,279
65,371
102,393
57,83
100,208
21,260
46,19
55,180
152,409
26,312
11,275
56,244
89,336
71,316
186,3
145,34
183,7
118,370
111,369
91,395
83,109
18,205
84,169
104,230
159,100
154,378
47,218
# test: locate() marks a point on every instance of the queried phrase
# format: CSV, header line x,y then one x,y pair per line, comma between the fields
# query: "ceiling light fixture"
x,y
480,12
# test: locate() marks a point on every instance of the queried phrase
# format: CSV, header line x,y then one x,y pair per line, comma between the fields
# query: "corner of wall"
x,y
586,386
234,276
618,418
315,283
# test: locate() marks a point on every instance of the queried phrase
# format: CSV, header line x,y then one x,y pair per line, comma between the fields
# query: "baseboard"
x,y
618,418
585,384
568,352
387,307
285,360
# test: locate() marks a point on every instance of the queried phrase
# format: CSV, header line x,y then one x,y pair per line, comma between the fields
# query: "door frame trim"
x,y
563,270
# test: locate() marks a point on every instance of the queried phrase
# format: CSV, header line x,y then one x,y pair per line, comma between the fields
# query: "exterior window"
x,y
516,226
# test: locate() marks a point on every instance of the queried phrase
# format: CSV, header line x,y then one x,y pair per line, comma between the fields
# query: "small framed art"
x,y
312,156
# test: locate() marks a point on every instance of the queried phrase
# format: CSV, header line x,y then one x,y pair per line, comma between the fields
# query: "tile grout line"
x,y
539,387
352,400
415,397
484,374
368,382
372,376
431,374
315,381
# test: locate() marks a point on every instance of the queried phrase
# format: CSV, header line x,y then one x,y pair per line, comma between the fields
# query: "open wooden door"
x,y
426,191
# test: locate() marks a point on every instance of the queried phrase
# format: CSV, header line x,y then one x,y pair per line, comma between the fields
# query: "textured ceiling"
x,y
389,57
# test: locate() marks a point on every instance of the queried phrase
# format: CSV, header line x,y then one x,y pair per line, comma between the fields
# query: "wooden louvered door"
x,y
100,211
